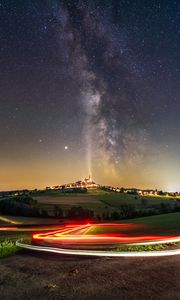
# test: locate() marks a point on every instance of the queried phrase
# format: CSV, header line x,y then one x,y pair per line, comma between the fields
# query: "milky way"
x,y
110,101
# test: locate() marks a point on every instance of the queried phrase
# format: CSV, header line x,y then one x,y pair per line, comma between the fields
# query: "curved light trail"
x,y
166,241
77,235
99,253
74,235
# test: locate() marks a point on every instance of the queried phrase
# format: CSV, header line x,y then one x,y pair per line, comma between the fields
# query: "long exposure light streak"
x,y
99,253
74,235
77,234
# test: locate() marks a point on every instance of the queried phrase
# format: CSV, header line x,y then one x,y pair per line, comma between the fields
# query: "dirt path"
x,y
31,275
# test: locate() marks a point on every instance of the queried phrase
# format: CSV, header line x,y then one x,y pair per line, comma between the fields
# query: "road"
x,y
32,275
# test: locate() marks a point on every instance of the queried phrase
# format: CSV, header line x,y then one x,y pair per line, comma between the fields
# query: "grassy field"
x,y
65,200
111,229
96,199
166,223
100,201
48,202
169,221
116,199
94,193
98,194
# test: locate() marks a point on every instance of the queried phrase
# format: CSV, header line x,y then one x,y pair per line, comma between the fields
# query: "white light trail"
x,y
173,240
100,253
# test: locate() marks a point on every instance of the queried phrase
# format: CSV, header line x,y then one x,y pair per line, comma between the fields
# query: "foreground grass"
x,y
8,243
8,248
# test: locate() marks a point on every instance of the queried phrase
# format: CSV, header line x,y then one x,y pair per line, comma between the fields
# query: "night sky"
x,y
90,87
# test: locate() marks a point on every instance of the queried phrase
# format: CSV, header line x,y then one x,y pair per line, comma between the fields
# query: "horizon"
x,y
100,184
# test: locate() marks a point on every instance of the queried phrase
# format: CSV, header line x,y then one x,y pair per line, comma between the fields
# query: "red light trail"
x,y
71,235
74,235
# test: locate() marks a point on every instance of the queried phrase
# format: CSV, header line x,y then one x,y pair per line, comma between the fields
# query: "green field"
x,y
96,199
103,203
103,195
168,222
115,199
165,223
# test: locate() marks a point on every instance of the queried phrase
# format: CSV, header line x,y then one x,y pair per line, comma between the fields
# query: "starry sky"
x,y
90,87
